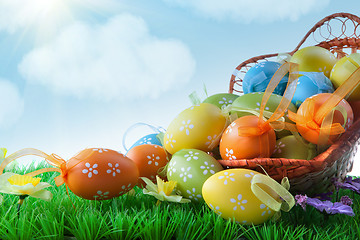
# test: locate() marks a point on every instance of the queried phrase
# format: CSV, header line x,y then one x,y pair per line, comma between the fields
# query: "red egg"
x,y
311,131
150,160
233,146
100,174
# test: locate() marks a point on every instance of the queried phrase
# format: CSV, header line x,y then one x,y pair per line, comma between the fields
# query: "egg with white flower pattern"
x,y
221,100
198,127
100,174
228,193
150,160
190,168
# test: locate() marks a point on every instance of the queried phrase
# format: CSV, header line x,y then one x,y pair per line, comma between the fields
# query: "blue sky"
x,y
78,73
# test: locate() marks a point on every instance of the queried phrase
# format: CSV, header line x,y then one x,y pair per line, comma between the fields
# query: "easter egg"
x,y
150,159
234,147
253,101
291,148
228,193
342,71
310,133
258,77
198,127
100,174
190,168
314,59
310,84
221,100
147,139
355,106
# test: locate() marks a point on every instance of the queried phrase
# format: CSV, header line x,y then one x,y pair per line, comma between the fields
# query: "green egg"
x,y
221,99
253,101
290,147
190,168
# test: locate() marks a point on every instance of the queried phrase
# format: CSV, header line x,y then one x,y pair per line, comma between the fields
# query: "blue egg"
x,y
148,139
310,84
259,76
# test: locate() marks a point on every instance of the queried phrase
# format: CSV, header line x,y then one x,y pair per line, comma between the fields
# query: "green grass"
x,y
137,217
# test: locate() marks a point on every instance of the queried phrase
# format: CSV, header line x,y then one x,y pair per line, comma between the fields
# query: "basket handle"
x,y
355,19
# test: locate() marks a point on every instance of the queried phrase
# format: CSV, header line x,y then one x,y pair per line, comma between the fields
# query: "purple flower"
x,y
346,200
301,200
349,183
327,206
324,196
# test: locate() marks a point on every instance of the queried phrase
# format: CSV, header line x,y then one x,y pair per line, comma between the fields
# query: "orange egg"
x,y
100,174
233,146
311,133
150,160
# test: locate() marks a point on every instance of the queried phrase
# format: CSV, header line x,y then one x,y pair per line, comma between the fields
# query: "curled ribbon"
x,y
260,180
321,120
53,159
274,119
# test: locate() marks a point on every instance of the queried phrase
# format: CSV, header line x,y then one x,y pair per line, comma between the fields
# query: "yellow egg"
x,y
314,59
228,193
342,71
199,127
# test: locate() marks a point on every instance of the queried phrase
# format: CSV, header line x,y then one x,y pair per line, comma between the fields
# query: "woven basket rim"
x,y
328,157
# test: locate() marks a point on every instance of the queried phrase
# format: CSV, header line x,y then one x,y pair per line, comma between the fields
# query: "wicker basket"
x,y
339,33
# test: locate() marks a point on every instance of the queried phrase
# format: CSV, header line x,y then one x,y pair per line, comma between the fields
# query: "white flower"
x,y
113,169
262,206
152,159
185,174
227,177
238,202
191,155
193,195
207,168
90,170
186,126
169,140
230,154
101,196
100,150
211,141
172,168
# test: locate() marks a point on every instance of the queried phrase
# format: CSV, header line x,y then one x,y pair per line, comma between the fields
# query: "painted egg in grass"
x,y
148,139
310,133
221,100
228,193
343,70
253,101
100,174
314,59
190,168
258,78
150,160
198,127
234,147
291,148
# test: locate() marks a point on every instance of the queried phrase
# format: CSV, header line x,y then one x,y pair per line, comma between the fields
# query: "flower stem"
x,y
21,200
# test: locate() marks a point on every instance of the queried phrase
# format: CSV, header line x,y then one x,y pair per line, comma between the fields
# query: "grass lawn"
x,y
136,216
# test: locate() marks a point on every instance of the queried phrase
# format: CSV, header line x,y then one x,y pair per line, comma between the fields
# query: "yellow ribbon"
x,y
282,191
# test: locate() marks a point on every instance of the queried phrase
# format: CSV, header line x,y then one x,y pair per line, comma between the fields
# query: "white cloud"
x,y
117,59
252,10
11,104
43,15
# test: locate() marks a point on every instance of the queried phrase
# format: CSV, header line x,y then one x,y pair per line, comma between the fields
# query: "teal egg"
x,y
190,168
290,147
221,99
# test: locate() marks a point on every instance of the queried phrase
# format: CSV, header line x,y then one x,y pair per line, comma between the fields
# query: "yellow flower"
x,y
163,190
20,185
